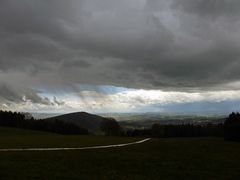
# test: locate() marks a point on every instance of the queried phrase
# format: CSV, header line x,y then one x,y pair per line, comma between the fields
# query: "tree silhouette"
x,y
232,127
18,120
110,127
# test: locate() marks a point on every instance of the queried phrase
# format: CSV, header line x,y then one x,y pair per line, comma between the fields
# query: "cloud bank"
x,y
161,45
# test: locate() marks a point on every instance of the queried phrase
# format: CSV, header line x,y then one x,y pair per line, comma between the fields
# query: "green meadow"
x,y
173,158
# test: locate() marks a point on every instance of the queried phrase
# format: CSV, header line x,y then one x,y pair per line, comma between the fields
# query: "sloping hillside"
x,y
89,121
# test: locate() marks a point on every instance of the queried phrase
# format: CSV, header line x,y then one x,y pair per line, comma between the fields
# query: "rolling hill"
x,y
89,121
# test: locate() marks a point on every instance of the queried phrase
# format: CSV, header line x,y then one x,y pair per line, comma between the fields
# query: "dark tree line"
x,y
18,120
188,130
232,127
185,130
110,127
138,132
230,130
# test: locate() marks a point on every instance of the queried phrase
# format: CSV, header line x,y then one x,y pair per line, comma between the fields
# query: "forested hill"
x,y
86,120
19,120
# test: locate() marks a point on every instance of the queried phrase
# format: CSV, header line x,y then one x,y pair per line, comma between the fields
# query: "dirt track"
x,y
75,148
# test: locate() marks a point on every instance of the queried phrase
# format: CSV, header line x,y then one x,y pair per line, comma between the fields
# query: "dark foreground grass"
x,y
20,138
176,158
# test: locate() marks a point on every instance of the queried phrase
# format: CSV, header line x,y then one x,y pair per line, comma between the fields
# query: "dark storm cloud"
x,y
211,8
10,94
178,44
36,99
6,93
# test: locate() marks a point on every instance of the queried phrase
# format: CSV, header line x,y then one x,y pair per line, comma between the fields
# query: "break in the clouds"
x,y
172,49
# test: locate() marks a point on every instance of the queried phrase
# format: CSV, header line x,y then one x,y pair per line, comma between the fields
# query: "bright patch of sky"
x,y
100,99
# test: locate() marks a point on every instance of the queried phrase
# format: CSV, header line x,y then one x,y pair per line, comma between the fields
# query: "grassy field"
x,y
175,158
20,138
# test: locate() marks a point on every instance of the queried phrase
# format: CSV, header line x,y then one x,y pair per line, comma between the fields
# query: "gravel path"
x,y
75,148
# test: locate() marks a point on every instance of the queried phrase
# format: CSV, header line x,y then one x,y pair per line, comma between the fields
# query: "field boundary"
x,y
75,148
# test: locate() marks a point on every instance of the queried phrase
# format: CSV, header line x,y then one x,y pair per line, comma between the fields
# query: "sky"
x,y
120,56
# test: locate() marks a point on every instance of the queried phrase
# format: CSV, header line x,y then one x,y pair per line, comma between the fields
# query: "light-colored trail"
x,y
75,148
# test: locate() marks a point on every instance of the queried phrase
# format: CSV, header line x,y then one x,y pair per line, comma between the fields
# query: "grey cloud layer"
x,y
10,94
160,44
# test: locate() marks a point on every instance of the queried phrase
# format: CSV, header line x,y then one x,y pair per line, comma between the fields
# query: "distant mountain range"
x,y
89,121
